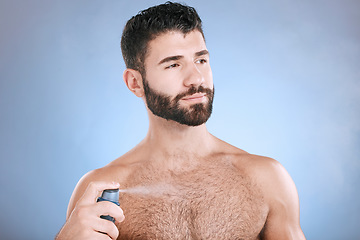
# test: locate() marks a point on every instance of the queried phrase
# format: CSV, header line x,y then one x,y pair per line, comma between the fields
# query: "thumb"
x,y
94,190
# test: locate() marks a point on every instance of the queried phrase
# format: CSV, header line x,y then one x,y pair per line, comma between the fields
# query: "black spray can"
x,y
111,195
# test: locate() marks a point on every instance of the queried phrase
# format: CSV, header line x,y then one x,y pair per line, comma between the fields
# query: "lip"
x,y
195,97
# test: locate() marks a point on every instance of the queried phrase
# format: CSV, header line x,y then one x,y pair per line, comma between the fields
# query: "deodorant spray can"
x,y
111,195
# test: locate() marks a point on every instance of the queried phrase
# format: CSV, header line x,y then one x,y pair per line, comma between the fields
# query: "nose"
x,y
193,76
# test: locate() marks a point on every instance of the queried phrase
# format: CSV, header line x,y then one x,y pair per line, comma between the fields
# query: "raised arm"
x,y
83,217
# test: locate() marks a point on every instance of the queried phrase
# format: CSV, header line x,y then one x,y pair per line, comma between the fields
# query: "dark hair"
x,y
150,23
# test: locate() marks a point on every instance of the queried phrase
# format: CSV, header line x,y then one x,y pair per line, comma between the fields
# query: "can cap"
x,y
111,195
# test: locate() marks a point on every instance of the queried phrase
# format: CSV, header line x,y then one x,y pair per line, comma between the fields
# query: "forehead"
x,y
175,43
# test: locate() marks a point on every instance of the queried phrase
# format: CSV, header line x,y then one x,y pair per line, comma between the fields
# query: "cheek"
x,y
162,82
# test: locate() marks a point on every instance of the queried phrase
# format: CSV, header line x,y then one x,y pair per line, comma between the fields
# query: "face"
x,y
178,82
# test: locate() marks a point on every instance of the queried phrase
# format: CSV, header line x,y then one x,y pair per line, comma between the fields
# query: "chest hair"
x,y
213,201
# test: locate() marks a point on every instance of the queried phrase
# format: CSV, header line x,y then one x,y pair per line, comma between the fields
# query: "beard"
x,y
163,106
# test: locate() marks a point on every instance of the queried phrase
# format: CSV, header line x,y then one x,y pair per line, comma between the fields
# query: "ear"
x,y
133,81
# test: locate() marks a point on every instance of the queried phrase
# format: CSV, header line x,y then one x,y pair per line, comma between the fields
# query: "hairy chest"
x,y
208,203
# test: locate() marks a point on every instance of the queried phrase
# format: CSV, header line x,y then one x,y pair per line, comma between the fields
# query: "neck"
x,y
169,138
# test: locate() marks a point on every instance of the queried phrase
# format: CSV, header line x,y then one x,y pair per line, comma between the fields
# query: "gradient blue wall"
x,y
287,77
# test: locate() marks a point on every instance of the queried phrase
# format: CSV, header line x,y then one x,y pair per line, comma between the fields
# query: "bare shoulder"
x,y
267,173
116,171
254,165
279,193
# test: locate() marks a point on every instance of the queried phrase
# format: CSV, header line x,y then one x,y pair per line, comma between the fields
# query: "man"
x,y
195,185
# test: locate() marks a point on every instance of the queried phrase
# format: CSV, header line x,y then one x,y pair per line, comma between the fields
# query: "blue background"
x,y
287,78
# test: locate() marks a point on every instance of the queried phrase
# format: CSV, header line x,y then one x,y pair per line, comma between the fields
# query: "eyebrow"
x,y
177,57
201,53
169,59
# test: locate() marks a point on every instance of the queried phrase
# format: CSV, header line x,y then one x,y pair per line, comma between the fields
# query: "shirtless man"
x,y
196,186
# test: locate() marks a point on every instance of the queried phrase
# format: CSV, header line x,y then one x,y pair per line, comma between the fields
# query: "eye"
x,y
202,61
172,66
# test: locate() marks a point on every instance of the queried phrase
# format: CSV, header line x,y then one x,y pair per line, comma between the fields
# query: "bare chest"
x,y
213,202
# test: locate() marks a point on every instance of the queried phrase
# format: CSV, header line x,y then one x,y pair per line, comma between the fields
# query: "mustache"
x,y
192,91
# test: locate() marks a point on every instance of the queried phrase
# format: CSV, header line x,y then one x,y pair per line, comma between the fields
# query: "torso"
x,y
215,200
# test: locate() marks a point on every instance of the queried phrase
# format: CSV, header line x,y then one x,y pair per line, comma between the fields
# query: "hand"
x,y
85,223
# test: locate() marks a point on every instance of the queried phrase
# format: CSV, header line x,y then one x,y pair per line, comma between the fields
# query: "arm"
x,y
283,221
83,217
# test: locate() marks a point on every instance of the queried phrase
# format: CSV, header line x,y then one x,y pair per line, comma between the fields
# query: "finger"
x,y
106,227
102,236
109,208
94,190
